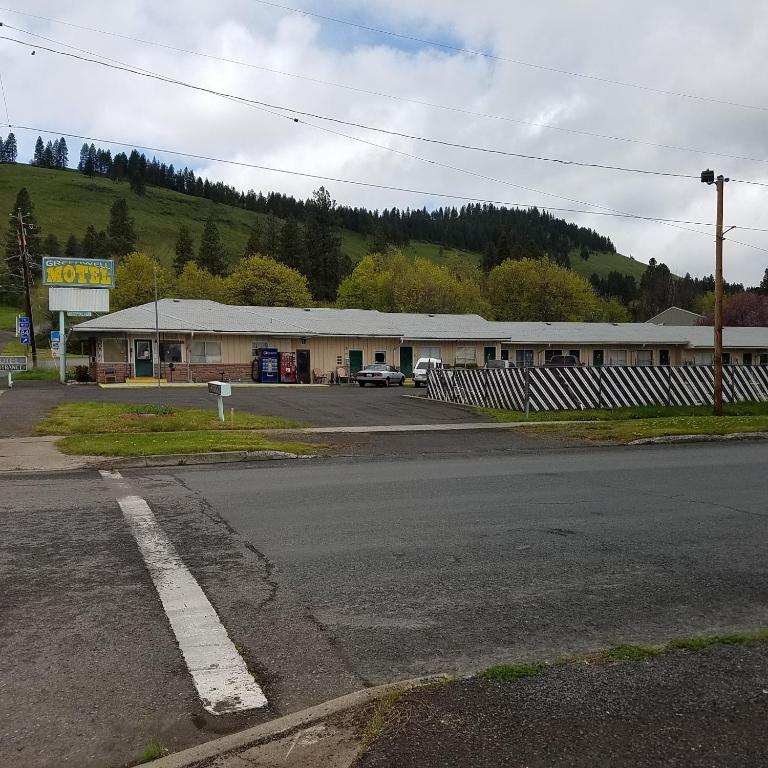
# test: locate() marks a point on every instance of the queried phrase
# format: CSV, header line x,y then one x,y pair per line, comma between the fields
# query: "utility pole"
x,y
22,238
708,177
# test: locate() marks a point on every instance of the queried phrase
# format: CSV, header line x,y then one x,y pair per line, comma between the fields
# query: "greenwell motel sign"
x,y
78,273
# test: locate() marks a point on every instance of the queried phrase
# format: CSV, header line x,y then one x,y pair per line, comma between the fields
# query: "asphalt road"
x,y
339,406
335,573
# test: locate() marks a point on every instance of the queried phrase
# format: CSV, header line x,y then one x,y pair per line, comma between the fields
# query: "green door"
x,y
406,360
143,359
355,361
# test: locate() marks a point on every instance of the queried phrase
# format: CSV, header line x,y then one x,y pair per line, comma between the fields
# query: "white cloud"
x,y
696,47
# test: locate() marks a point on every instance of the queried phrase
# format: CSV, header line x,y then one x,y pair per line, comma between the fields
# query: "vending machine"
x,y
269,366
287,367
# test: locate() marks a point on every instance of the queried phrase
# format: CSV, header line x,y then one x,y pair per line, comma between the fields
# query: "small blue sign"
x,y
24,322
24,335
55,336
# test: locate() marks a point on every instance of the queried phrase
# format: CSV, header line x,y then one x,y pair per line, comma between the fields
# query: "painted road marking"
x,y
221,678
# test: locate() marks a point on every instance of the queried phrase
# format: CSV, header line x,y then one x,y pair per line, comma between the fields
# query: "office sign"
x,y
78,273
12,363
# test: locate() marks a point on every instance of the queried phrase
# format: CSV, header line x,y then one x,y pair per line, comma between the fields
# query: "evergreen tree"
x,y
38,157
72,248
292,250
185,250
81,166
48,156
656,289
9,150
253,246
271,241
95,244
326,264
211,255
764,284
121,230
34,235
62,154
51,246
137,183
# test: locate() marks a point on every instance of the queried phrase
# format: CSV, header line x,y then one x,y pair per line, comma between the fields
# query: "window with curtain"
x,y
115,350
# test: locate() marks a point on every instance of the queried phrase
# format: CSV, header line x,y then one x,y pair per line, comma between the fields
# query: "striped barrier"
x,y
582,387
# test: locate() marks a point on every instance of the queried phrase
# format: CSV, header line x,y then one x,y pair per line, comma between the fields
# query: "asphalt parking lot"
x,y
323,406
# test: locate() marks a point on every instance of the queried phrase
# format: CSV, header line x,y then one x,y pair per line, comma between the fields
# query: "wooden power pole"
x,y
27,290
708,177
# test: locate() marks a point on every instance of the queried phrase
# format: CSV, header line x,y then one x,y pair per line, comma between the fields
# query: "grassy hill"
x,y
66,202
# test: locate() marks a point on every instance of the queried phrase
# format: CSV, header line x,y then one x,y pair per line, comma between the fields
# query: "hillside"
x,y
67,202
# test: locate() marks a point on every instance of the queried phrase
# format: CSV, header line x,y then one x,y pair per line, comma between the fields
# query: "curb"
x,y
199,757
729,437
191,459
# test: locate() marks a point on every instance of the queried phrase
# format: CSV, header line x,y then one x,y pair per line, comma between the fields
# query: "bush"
x,y
82,374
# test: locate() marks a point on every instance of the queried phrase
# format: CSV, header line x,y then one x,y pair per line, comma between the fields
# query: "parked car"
x,y
380,375
562,361
499,364
424,364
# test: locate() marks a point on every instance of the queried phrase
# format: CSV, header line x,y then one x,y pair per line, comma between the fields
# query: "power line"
x,y
124,67
372,185
420,102
261,105
5,101
519,62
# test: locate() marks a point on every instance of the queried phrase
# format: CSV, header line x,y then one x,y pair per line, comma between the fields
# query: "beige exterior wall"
x,y
325,352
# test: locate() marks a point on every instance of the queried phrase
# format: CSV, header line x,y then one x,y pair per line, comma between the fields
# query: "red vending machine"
x,y
287,367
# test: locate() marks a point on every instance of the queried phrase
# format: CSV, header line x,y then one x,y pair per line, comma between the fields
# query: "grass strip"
x,y
94,418
164,443
624,414
637,429
622,653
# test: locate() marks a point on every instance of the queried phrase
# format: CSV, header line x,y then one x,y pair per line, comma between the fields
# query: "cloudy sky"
x,y
696,47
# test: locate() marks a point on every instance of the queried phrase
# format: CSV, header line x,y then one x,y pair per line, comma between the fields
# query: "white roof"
x,y
203,316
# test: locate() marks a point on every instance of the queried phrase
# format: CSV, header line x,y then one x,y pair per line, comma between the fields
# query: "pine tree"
x,y
10,150
292,248
48,155
253,246
271,240
38,157
62,155
83,163
764,284
326,264
2,152
137,183
51,246
121,230
95,244
72,248
185,250
211,255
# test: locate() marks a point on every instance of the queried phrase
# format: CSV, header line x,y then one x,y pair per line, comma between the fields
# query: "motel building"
x,y
201,341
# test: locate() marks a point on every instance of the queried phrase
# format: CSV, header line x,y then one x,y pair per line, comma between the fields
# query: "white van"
x,y
422,366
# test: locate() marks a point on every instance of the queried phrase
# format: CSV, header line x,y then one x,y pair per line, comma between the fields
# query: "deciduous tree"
x,y
196,283
135,281
261,281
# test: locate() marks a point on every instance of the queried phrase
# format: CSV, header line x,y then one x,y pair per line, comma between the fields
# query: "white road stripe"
x,y
221,678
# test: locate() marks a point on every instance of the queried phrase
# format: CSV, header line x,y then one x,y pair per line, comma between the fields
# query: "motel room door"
x,y
406,360
143,359
355,361
303,371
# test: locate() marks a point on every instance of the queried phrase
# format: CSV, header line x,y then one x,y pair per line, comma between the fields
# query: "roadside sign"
x,y
12,363
55,336
79,314
23,321
55,343
24,335
78,273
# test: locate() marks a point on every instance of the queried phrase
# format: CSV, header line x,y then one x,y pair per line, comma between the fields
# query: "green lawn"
x,y
107,419
164,443
623,414
8,317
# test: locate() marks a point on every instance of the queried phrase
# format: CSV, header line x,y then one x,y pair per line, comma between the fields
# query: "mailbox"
x,y
220,388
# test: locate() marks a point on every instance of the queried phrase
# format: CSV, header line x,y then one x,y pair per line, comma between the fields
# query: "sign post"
x,y
9,364
222,389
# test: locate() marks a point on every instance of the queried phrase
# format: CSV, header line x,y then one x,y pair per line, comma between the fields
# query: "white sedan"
x,y
380,375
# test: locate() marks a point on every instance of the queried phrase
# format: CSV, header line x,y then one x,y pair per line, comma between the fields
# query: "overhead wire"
x,y
420,102
373,185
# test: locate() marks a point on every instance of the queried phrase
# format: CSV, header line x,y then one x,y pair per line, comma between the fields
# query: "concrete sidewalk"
x,y
37,454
